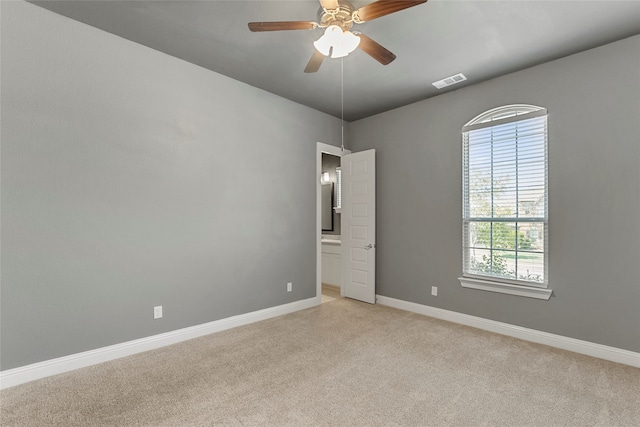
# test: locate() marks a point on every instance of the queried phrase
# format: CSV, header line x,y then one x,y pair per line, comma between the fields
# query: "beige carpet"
x,y
342,363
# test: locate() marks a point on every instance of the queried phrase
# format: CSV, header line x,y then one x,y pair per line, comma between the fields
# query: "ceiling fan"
x,y
337,17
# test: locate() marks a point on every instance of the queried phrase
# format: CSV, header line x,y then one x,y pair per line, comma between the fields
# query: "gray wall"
x,y
593,99
132,179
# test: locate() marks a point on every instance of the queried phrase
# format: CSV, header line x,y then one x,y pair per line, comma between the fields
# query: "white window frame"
x,y
495,117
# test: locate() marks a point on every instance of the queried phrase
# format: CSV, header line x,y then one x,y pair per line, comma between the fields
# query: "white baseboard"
x,y
600,351
23,374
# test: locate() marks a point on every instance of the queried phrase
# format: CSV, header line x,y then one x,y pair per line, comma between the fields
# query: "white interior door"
x,y
359,225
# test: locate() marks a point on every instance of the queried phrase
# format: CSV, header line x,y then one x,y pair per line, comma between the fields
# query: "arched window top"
x,y
504,114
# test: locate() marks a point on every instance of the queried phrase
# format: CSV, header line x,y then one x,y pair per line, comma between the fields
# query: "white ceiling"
x,y
482,39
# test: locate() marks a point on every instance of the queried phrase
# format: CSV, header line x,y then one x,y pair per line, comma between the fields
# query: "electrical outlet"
x,y
289,287
157,312
434,291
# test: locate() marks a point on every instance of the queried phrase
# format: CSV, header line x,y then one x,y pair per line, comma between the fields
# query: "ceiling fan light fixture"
x,y
328,40
338,16
336,42
348,43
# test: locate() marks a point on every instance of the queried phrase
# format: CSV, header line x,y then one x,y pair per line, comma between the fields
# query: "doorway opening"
x,y
328,221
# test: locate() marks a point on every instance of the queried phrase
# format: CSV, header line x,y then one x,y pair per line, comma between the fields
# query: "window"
x,y
505,201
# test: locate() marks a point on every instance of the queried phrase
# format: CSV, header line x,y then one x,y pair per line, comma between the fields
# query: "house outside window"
x,y
505,224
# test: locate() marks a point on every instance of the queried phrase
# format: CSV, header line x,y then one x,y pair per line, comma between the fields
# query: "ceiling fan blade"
x,y
382,8
329,4
282,26
375,50
314,62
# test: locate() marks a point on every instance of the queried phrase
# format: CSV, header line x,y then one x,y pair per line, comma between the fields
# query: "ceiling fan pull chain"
x,y
342,101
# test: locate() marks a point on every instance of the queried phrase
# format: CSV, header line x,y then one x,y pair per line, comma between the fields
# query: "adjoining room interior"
x,y
167,258
331,259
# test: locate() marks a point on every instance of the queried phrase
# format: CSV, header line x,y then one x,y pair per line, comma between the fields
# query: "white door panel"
x,y
359,225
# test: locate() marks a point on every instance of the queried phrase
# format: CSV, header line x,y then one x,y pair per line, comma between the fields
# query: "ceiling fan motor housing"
x,y
342,16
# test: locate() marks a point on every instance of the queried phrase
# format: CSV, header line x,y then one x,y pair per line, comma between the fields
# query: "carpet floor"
x,y
343,363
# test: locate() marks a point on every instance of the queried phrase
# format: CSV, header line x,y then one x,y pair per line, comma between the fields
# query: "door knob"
x,y
370,246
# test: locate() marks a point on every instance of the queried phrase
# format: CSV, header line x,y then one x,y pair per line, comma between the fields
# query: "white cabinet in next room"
x,y
332,264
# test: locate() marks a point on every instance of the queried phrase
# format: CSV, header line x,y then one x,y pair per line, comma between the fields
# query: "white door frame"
x,y
334,151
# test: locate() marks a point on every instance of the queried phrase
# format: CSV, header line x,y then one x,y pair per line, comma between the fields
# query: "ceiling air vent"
x,y
449,81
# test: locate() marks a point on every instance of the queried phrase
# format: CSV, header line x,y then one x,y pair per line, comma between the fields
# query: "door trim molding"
x,y
321,147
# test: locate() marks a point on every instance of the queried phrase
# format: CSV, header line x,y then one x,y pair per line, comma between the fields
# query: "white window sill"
x,y
506,288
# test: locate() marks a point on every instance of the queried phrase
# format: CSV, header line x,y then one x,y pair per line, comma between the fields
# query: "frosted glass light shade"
x,y
342,42
329,39
348,43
